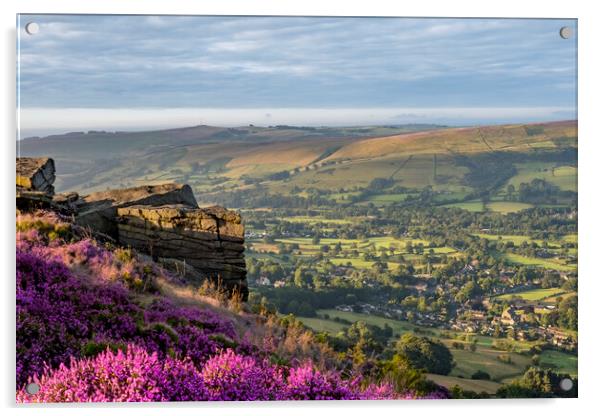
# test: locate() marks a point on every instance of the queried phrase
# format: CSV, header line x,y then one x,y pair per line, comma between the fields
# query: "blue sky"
x,y
165,71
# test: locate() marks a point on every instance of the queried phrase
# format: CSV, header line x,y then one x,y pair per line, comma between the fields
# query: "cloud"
x,y
295,62
235,46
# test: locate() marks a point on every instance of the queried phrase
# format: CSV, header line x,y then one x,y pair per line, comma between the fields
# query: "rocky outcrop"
x,y
36,174
163,221
211,240
98,210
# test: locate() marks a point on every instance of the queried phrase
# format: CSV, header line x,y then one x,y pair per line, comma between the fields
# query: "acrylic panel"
x,y
227,208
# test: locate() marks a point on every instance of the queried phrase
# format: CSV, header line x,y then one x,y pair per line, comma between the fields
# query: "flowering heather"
x,y
85,333
60,316
306,383
131,376
138,376
57,314
230,376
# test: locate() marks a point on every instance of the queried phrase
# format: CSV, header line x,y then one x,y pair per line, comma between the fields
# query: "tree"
x,y
510,190
539,382
301,277
480,375
424,353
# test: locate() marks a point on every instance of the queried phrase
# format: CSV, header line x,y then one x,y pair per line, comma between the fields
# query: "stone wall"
x,y
163,221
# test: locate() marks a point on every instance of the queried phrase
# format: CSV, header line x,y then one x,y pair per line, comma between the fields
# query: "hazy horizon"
x,y
186,120
100,72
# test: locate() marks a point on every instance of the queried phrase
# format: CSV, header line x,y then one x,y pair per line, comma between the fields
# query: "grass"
x,y
565,177
570,238
518,239
559,361
472,206
322,325
537,262
506,207
478,386
316,220
388,197
355,262
532,295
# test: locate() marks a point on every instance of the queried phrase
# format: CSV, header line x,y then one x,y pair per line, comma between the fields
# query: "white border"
x,y
590,231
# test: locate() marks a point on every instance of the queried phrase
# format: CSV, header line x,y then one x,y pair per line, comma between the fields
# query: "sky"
x,y
82,72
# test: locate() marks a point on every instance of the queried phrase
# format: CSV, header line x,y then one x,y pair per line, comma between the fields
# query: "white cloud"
x,y
235,46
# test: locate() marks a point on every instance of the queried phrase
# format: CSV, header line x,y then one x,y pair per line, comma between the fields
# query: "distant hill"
x,y
96,159
458,162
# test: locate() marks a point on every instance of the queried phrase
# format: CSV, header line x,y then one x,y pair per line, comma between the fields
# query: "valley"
x,y
465,235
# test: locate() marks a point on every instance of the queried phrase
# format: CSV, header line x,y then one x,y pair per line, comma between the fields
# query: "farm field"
x,y
518,239
316,220
376,242
478,386
564,177
502,207
472,206
558,361
533,295
505,207
544,263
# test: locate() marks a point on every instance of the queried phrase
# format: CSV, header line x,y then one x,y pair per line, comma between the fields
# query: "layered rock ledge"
x,y
163,221
211,240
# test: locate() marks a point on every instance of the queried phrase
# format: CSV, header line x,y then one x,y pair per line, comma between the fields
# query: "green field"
x,y
472,206
565,177
386,242
478,386
516,239
505,207
519,239
387,198
360,263
316,220
532,295
571,238
559,362
537,262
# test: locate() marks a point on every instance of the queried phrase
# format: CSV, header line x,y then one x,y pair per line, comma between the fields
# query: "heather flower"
x,y
56,313
131,376
230,376
307,383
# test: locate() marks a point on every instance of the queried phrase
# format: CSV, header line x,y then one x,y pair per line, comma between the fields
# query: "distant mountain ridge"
x,y
217,159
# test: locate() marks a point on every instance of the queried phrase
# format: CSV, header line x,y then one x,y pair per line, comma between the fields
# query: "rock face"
x,y
211,240
36,174
99,210
163,221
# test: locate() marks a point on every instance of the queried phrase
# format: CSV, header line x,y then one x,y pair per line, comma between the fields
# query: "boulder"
x,y
36,174
99,210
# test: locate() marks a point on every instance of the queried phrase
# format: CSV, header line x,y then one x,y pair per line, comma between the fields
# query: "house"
x,y
263,281
509,317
